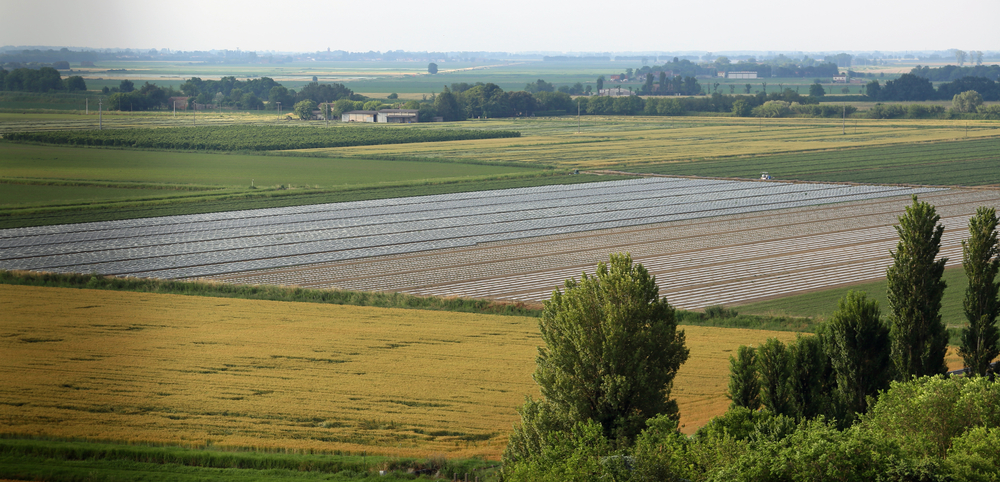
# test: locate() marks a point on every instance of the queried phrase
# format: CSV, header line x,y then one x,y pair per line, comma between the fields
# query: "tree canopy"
x,y
915,288
612,350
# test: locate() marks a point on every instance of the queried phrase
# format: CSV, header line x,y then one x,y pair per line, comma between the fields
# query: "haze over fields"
x,y
513,26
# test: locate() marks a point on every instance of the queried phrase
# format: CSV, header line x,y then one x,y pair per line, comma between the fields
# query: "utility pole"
x,y
578,115
279,110
175,108
100,119
195,113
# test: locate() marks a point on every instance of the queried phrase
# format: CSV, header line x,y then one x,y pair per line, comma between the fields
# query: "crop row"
x,y
967,162
252,138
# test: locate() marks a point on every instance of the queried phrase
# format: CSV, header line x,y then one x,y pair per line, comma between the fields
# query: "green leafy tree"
x,y
432,68
446,105
968,101
915,288
304,109
810,374
126,86
74,83
816,90
981,260
600,83
612,350
742,108
859,349
772,365
744,383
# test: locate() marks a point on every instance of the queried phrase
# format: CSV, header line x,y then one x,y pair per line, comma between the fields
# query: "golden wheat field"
x,y
611,141
198,371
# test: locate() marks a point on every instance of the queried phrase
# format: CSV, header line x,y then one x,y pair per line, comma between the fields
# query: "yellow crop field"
x,y
604,142
198,371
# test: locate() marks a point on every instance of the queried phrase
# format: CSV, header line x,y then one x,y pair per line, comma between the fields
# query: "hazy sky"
x,y
505,25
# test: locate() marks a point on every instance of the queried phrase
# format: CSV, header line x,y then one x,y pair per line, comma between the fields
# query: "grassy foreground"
x,y
73,460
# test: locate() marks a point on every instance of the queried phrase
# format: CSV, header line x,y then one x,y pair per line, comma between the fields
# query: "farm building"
x,y
398,116
840,78
615,92
741,75
359,116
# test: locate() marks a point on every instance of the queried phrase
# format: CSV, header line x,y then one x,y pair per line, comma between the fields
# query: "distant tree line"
x,y
954,72
911,87
45,79
256,94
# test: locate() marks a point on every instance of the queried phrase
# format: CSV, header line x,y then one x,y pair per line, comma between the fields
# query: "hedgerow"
x,y
251,138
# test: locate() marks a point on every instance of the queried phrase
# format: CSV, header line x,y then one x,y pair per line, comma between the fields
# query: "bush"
x,y
773,108
925,414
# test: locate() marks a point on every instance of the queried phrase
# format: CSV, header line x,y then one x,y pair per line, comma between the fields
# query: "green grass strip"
x,y
34,459
269,292
966,162
715,316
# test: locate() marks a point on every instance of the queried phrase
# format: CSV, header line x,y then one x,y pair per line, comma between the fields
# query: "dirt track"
x,y
698,263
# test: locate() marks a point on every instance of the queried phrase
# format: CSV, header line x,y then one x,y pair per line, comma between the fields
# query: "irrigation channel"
x,y
708,241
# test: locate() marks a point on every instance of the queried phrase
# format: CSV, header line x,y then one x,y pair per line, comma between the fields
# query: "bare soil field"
x,y
702,262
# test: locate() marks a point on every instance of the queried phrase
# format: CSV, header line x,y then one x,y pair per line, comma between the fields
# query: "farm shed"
x,y
359,116
749,74
398,116
615,92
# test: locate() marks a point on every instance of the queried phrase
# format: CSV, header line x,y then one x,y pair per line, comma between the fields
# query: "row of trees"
x,y
910,87
45,79
948,73
857,354
612,350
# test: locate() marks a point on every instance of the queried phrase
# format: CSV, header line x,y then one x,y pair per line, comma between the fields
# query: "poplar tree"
x,y
981,260
772,365
915,287
859,349
612,350
744,383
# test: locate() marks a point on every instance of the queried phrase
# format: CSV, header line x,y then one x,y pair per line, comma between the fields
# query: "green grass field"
x,y
820,305
963,162
181,169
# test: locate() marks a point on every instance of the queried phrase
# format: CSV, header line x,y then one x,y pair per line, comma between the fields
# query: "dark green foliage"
x,y
859,350
927,429
810,378
981,261
772,366
915,288
45,79
744,383
816,90
611,352
252,138
612,349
